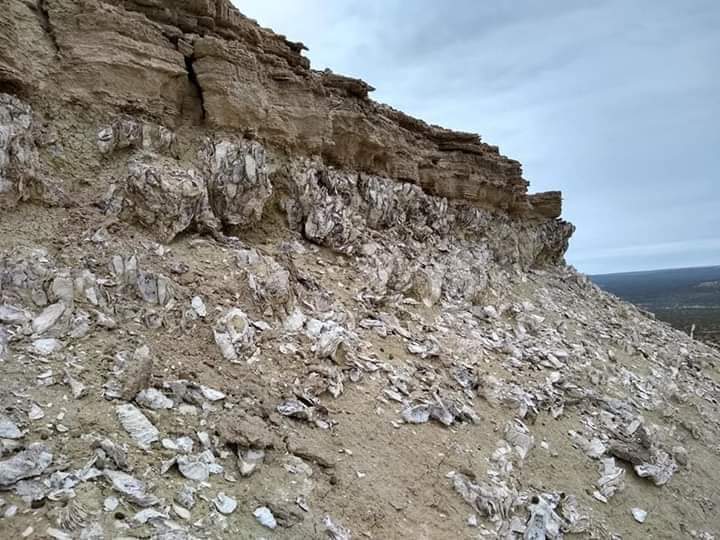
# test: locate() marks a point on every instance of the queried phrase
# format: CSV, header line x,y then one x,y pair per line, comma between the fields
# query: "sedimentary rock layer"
x,y
204,62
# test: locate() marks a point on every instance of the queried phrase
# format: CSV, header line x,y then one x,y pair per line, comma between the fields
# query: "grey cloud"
x,y
613,102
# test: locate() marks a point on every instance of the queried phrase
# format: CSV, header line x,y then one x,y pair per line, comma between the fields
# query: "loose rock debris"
x,y
309,349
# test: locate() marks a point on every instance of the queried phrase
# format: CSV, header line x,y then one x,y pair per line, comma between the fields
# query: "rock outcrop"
x,y
239,298
203,62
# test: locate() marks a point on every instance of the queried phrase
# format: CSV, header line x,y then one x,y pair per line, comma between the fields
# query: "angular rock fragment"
x,y
419,414
234,334
224,504
26,464
186,497
131,488
193,468
152,398
161,197
77,388
639,514
490,500
137,425
238,184
335,531
265,517
13,315
9,429
519,437
611,480
47,346
48,317
249,460
132,374
181,444
660,471
116,453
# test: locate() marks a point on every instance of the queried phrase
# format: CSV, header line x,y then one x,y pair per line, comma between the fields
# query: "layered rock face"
x,y
240,299
205,63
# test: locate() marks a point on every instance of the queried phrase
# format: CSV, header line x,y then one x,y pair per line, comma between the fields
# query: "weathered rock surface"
x,y
238,295
166,59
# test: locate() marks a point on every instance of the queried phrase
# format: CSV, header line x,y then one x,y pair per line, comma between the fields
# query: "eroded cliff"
x,y
240,299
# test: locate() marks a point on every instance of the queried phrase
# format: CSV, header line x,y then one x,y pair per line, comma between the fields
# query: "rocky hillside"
x,y
240,299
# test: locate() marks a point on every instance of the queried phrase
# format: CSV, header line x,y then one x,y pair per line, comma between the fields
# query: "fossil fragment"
x,y
265,517
137,425
131,488
26,464
224,504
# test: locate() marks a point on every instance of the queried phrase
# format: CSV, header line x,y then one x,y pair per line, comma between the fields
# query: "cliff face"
x,y
204,63
238,299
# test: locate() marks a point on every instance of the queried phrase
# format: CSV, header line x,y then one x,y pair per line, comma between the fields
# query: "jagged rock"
x,y
19,174
233,334
131,488
165,199
127,133
26,464
137,425
237,181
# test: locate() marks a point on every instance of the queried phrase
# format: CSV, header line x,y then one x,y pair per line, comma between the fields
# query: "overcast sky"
x,y
615,102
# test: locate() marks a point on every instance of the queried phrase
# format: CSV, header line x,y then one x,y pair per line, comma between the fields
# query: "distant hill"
x,y
682,297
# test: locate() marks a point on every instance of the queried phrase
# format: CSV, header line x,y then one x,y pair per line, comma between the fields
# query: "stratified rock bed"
x,y
240,299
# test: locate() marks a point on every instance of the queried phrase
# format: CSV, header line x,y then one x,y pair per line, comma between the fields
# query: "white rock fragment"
x,y
110,503
137,425
77,388
152,398
47,346
10,511
27,464
234,334
611,480
418,414
182,513
9,429
519,437
57,534
335,531
639,514
265,517
181,444
36,412
48,317
660,471
193,468
249,460
13,315
198,306
211,394
149,514
131,488
224,504
295,321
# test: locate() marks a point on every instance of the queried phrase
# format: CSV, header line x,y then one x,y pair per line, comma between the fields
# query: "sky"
x,y
614,102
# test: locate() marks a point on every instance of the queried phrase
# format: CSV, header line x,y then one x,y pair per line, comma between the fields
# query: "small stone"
x,y
110,503
9,429
224,504
265,517
182,513
10,511
639,514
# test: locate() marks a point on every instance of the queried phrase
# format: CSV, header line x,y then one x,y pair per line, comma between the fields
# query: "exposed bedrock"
x,y
201,67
